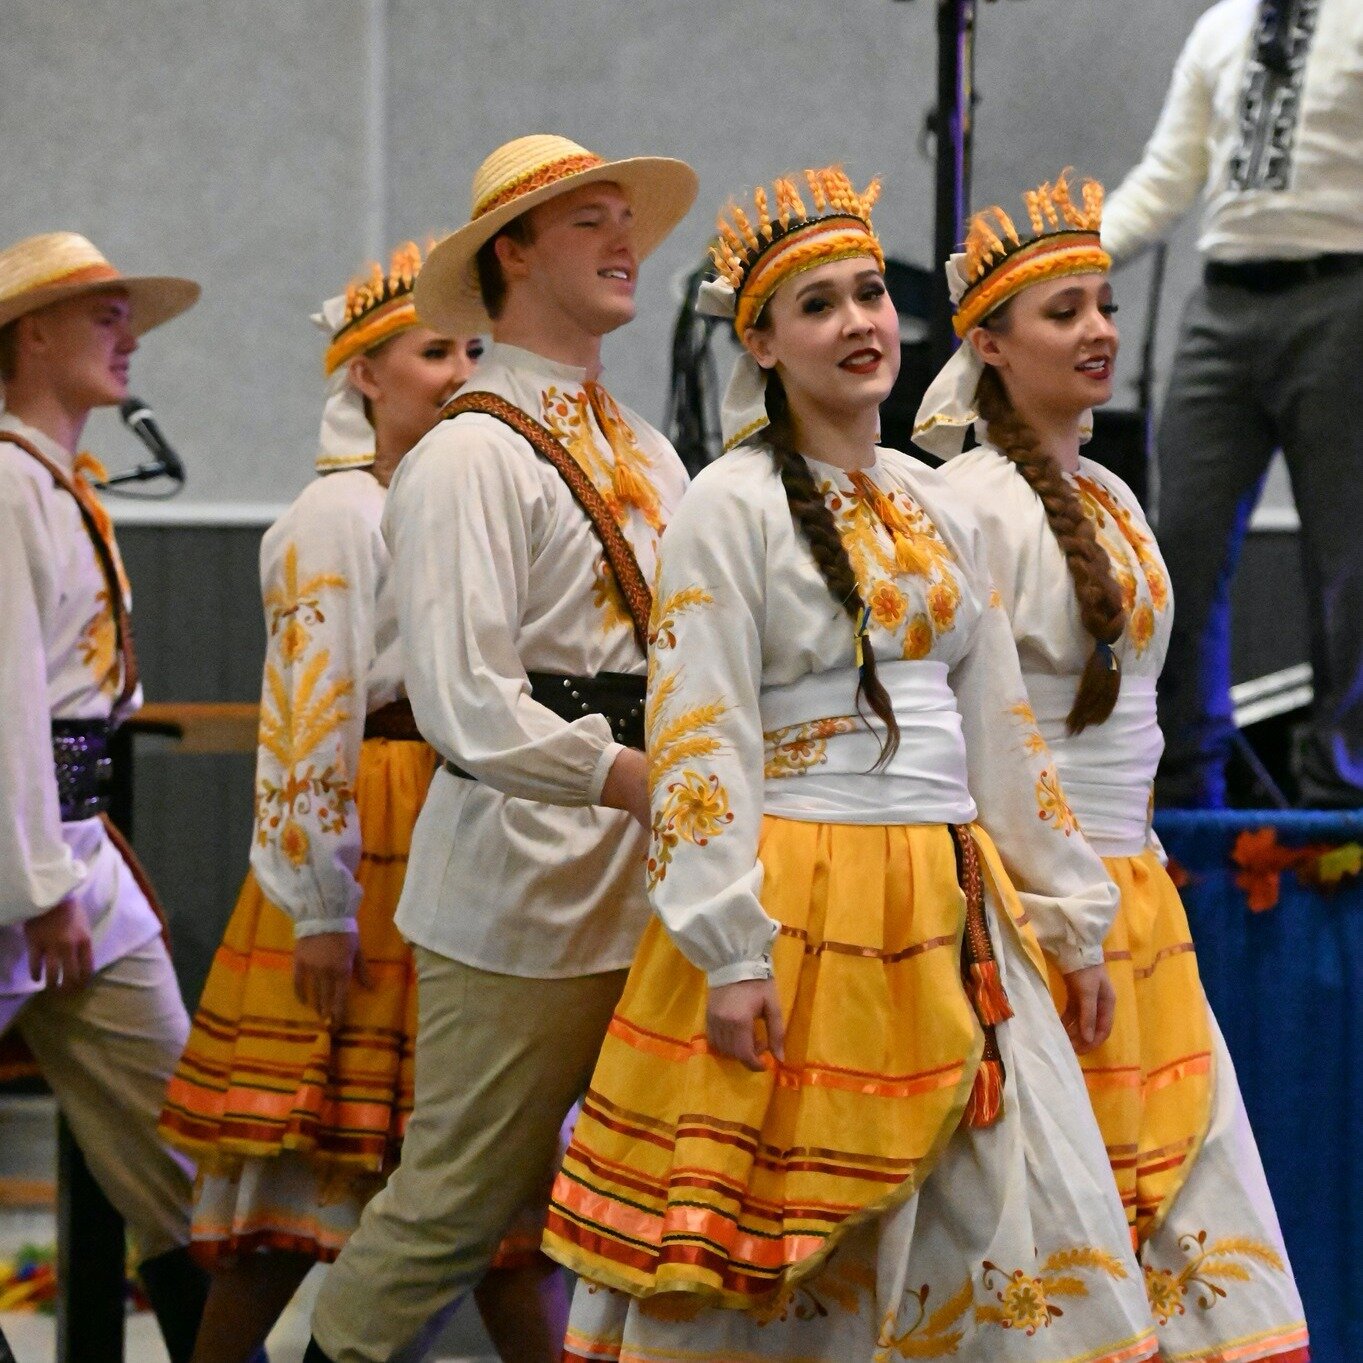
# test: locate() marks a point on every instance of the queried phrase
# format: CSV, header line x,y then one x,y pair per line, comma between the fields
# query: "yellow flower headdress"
x,y
999,262
376,306
754,255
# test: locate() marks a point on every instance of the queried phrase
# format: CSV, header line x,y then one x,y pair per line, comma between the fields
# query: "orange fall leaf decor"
x,y
1262,861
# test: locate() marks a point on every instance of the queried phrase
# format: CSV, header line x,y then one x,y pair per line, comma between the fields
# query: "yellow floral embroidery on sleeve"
x,y
296,719
1026,1302
695,807
1208,1266
294,722
296,605
1032,740
1051,805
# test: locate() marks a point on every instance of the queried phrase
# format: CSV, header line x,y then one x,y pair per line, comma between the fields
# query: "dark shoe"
x,y
177,1289
315,1354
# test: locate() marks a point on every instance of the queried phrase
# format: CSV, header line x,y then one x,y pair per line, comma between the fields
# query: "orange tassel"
x,y
909,558
986,993
986,1095
631,489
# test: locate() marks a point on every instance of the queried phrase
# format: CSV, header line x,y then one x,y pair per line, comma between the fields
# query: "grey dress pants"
x,y
1255,372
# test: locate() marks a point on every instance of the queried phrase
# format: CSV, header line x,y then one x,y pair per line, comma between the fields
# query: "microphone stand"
x,y
143,473
953,124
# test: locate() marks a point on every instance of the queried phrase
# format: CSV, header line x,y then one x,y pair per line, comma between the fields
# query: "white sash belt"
x,y
1108,770
820,775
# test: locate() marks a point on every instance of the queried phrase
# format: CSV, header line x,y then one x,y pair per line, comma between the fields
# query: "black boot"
x,y
177,1289
315,1354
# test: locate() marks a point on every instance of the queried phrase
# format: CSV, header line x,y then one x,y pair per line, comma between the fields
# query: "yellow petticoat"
x,y
1151,1081
261,1073
686,1171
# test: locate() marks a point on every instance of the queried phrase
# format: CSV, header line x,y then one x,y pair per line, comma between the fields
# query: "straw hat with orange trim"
x,y
48,268
513,180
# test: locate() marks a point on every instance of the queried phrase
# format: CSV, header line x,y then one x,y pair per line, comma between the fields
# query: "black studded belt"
x,y
80,757
618,696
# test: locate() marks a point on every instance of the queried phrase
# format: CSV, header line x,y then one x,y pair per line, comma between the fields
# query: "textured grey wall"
x,y
265,147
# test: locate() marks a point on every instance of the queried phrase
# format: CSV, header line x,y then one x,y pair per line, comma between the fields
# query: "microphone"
x,y
139,419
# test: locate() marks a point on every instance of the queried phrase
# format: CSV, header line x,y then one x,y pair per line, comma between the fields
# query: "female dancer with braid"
x,y
836,1116
1088,597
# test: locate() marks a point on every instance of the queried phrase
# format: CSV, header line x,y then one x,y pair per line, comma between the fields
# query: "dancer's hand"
x,y
323,966
1089,1008
626,785
731,1015
59,951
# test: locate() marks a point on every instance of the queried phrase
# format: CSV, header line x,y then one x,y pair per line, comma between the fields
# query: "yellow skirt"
x,y
1151,1081
261,1073
686,1171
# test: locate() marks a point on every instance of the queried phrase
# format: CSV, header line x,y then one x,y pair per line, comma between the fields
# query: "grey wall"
x,y
267,146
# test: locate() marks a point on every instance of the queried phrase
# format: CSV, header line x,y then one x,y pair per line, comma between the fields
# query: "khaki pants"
x,y
107,1052
499,1061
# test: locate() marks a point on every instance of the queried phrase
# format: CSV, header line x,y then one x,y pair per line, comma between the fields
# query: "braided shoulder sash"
x,y
123,625
619,555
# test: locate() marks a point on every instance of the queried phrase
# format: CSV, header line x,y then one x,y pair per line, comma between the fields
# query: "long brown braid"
x,y
820,531
1099,596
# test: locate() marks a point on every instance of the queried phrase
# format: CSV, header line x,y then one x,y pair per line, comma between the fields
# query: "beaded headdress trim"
x,y
756,254
377,306
1000,262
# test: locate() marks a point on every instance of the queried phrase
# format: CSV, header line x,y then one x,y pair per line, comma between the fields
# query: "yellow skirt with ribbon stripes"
x,y
1151,1081
688,1173
295,1127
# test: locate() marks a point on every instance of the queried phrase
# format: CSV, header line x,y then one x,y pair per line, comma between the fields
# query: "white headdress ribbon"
x,y
346,440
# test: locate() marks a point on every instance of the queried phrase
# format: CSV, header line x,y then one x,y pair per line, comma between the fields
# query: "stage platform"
x,y
1276,905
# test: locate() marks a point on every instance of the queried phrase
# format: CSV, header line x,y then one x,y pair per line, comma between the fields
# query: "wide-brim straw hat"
x,y
513,180
42,270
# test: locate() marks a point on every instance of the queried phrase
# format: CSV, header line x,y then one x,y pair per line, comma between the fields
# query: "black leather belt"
x,y
394,722
80,757
1273,276
618,696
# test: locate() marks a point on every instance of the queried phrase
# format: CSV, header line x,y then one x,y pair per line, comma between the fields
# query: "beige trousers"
x,y
107,1052
499,1061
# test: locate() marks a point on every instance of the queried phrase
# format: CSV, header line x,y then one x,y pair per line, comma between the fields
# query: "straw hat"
x,y
515,178
45,269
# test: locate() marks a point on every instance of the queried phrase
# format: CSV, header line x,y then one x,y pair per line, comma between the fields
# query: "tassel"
x,y
909,558
631,489
986,993
986,1095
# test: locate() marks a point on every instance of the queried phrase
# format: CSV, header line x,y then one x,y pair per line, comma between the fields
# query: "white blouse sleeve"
x,y
1174,167
705,754
1060,880
37,868
463,509
319,580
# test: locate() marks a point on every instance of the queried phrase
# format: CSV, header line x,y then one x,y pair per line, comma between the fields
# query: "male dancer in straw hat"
x,y
84,973
524,531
